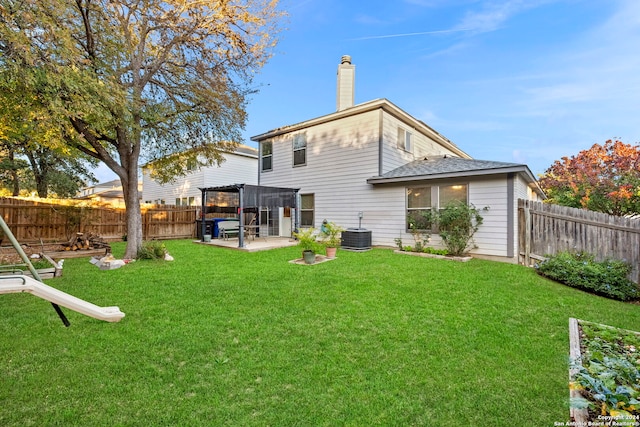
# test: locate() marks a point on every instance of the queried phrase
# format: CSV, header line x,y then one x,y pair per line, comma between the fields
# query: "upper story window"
x,y
266,148
404,139
299,149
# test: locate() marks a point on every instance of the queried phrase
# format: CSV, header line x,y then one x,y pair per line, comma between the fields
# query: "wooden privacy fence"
x,y
32,221
546,229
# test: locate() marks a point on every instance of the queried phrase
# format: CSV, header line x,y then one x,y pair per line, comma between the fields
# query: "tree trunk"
x,y
14,174
40,174
41,186
134,214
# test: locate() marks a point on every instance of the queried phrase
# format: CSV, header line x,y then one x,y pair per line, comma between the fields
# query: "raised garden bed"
x,y
604,380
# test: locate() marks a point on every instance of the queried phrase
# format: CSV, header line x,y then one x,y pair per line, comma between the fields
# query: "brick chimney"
x,y
346,83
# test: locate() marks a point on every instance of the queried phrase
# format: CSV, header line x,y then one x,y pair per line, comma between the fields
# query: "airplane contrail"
x,y
388,36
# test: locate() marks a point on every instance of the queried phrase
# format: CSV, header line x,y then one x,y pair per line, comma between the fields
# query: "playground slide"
x,y
20,283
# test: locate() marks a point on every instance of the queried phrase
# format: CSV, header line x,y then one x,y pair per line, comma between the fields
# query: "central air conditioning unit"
x,y
356,239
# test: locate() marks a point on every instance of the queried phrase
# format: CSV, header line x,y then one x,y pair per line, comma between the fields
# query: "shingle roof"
x,y
440,165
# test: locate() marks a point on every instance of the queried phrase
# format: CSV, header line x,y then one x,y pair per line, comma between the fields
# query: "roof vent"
x,y
346,59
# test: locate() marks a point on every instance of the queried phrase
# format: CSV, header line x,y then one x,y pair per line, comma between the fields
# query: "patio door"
x,y
285,215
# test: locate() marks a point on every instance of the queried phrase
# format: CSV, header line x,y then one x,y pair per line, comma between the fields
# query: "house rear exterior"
x,y
372,165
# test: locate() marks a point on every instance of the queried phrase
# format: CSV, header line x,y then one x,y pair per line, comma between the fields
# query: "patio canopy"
x,y
248,198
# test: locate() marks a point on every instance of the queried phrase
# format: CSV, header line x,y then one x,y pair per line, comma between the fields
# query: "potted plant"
x,y
307,241
331,237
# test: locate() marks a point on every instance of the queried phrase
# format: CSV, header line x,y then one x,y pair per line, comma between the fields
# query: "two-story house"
x,y
372,165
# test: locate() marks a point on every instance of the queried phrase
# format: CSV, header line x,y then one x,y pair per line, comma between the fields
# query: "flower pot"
x,y
331,252
207,237
309,257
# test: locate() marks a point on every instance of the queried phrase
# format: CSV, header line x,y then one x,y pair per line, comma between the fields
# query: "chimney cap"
x,y
346,59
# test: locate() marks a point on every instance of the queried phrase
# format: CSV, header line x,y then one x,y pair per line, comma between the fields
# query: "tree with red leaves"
x,y
604,178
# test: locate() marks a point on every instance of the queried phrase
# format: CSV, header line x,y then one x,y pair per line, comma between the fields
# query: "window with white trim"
x,y
299,149
421,200
186,201
404,139
307,207
418,204
266,148
448,194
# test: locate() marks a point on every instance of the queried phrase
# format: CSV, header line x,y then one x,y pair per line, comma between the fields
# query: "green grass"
x,y
222,337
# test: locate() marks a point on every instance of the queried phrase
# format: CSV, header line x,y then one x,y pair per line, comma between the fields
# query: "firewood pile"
x,y
89,241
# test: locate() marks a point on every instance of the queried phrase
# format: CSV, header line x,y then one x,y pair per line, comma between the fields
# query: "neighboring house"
x,y
109,192
373,165
240,166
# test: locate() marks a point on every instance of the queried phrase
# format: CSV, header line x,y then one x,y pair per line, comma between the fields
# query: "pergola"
x,y
248,198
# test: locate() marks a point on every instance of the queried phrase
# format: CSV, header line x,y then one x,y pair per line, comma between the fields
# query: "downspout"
x,y
260,161
297,211
241,214
380,145
202,215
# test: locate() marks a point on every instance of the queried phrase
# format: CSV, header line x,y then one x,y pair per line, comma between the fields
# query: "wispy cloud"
x,y
420,33
494,14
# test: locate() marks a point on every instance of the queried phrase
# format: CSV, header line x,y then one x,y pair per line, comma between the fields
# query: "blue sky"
x,y
507,80
516,81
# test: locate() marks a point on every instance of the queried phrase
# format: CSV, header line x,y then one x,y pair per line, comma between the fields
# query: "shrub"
x,y
308,240
330,234
434,251
420,237
399,243
579,270
152,250
457,223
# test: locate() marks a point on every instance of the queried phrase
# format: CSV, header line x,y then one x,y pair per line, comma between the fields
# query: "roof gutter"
x,y
521,169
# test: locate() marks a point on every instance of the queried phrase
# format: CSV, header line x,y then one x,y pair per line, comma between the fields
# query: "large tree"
x,y
32,144
141,78
12,169
604,178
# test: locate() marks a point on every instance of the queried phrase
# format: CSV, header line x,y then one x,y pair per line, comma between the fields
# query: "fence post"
x,y
527,236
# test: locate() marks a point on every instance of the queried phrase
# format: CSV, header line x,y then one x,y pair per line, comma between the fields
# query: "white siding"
x,y
340,158
343,154
237,169
421,145
491,237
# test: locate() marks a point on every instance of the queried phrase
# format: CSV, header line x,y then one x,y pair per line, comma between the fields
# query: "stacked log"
x,y
89,241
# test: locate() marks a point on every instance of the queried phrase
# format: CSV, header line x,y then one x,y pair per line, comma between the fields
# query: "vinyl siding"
x,y
236,169
421,145
491,237
343,154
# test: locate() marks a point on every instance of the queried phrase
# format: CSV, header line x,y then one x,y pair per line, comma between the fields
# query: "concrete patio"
x,y
253,245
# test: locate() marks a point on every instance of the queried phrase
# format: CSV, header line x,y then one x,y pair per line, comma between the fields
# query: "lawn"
x,y
222,337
